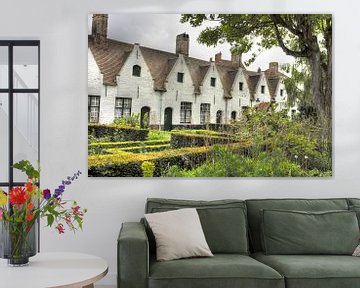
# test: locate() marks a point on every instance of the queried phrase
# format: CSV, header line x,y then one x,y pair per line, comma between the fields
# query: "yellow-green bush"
x,y
129,164
183,139
116,132
148,168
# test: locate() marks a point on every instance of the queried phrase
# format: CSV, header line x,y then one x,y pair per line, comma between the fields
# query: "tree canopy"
x,y
307,37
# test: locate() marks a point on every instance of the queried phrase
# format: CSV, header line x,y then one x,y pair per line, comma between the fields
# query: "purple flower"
x,y
46,194
68,181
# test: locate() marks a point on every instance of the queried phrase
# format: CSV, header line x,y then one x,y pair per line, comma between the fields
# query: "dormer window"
x,y
136,71
212,81
262,89
241,86
180,77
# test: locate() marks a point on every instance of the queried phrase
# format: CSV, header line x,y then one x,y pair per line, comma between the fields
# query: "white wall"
x,y
62,28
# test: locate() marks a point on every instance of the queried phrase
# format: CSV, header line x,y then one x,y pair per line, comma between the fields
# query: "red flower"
x,y
27,196
29,206
29,186
29,217
60,228
17,196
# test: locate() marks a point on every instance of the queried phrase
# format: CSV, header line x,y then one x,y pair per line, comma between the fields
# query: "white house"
x,y
172,89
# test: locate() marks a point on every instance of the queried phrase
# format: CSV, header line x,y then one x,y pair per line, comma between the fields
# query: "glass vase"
x,y
18,242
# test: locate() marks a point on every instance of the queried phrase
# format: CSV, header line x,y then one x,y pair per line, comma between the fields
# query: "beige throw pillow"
x,y
178,234
357,251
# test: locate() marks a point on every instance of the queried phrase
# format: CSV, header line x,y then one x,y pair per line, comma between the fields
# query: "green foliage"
x,y
300,140
128,143
140,149
26,167
116,133
127,164
159,135
225,163
129,121
307,37
148,168
244,32
191,138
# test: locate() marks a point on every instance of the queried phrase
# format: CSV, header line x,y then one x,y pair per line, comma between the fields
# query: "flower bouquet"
x,y
21,208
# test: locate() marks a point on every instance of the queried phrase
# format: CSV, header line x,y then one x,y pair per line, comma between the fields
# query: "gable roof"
x,y
198,69
273,79
227,76
111,57
253,79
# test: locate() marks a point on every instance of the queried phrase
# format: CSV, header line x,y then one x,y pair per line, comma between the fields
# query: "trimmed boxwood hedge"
x,y
182,139
140,149
129,165
127,144
117,132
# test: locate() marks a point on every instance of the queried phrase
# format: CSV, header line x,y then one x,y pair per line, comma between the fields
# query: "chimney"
x,y
218,57
211,59
259,70
182,44
236,59
99,29
274,67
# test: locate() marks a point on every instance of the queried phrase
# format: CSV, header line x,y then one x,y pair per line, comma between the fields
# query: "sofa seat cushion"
x,y
222,270
313,271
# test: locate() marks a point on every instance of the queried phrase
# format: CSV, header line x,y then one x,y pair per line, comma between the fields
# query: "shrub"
x,y
127,144
182,139
159,135
129,164
129,121
227,163
148,168
139,149
117,133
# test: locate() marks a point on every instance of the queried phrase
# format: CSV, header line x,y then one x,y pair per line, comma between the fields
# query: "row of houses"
x,y
172,89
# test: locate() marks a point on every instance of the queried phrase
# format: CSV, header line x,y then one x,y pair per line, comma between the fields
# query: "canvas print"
x,y
210,95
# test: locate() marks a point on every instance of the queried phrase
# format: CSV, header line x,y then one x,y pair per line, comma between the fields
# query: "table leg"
x,y
89,286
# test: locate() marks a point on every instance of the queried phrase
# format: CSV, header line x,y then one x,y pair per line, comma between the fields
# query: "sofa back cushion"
x,y
223,222
298,232
255,206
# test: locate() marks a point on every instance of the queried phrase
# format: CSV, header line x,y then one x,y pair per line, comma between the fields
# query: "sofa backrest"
x,y
256,205
223,221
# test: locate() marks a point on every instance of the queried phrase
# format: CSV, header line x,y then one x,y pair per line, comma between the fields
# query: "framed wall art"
x,y
210,95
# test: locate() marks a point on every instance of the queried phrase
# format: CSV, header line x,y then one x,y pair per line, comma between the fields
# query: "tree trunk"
x,y
316,80
328,88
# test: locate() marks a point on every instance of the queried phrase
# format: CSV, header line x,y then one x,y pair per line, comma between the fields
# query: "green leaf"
x,y
26,167
50,219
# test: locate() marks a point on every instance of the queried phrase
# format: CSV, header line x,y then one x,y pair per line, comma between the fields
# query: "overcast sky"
x,y
159,31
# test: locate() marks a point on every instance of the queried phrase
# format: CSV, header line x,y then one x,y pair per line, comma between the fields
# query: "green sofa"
x,y
245,253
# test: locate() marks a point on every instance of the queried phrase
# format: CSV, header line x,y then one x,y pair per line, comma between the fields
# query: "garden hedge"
x,y
117,133
183,139
129,164
140,149
125,144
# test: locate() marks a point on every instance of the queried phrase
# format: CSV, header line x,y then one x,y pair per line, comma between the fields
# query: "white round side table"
x,y
54,270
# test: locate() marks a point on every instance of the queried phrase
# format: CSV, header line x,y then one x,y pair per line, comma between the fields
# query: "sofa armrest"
x,y
133,256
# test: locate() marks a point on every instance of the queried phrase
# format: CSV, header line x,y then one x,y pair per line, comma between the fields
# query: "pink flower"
x,y
76,210
60,228
1,214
